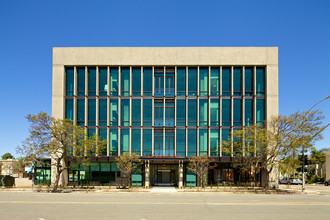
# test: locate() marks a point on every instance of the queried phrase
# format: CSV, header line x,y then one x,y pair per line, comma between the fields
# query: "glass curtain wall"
x,y
91,112
181,81
203,81
214,81
125,81
203,112
103,81
147,81
114,81
69,81
203,142
113,112
192,82
196,112
81,81
92,81
103,109
136,112
181,142
125,114
136,81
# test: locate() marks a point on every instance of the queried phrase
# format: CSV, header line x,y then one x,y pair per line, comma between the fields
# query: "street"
x,y
138,205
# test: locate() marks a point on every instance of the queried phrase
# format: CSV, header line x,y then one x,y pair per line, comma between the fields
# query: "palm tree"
x,y
317,157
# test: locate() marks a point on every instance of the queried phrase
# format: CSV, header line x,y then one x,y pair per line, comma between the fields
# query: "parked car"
x,y
327,182
295,181
284,180
287,180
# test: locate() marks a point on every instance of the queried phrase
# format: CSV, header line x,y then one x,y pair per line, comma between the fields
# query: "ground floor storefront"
x,y
160,172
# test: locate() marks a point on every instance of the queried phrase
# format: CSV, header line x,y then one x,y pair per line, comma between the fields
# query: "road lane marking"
x,y
174,203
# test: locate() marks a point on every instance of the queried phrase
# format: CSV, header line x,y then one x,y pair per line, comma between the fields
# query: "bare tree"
x,y
264,146
55,138
127,164
200,165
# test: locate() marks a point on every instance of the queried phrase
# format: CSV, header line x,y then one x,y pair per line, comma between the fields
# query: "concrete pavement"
x,y
197,205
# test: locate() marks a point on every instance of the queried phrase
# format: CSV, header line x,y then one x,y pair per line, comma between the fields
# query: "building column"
x,y
180,174
147,174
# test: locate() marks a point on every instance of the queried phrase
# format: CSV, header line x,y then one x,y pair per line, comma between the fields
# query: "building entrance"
x,y
164,174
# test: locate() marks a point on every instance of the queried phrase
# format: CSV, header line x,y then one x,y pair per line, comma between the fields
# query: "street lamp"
x,y
303,153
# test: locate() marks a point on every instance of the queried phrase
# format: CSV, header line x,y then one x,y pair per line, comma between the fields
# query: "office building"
x,y
165,104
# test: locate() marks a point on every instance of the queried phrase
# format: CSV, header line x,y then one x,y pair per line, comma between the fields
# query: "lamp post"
x,y
303,149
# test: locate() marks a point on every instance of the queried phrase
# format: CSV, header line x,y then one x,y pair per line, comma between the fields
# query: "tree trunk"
x,y
56,183
264,178
316,170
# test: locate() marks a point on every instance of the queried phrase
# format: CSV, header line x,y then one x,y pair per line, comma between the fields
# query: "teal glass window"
x,y
81,81
113,112
214,142
214,112
192,81
192,112
192,142
136,112
203,112
103,112
237,146
114,81
248,112
147,81
147,112
136,141
237,81
159,82
103,81
69,109
180,143
180,112
260,111
103,136
169,114
125,114
181,81
214,80
91,112
169,82
203,81
226,81
237,112
159,114
169,144
124,141
147,142
113,142
225,138
136,81
92,81
91,133
260,81
203,141
158,138
225,112
81,112
69,81
125,81
248,81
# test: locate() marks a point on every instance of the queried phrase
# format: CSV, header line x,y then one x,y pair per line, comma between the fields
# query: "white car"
x,y
286,180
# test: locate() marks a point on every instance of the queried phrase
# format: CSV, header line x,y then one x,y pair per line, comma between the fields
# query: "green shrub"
x,y
6,180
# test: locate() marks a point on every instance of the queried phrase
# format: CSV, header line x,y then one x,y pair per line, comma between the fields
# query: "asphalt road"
x,y
34,205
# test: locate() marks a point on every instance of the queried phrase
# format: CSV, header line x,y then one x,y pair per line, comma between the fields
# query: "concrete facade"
x,y
166,56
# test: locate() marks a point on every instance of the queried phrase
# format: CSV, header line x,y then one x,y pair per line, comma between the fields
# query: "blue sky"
x,y
29,30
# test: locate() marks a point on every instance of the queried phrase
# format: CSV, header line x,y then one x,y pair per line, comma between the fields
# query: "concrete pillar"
x,y
180,174
147,174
